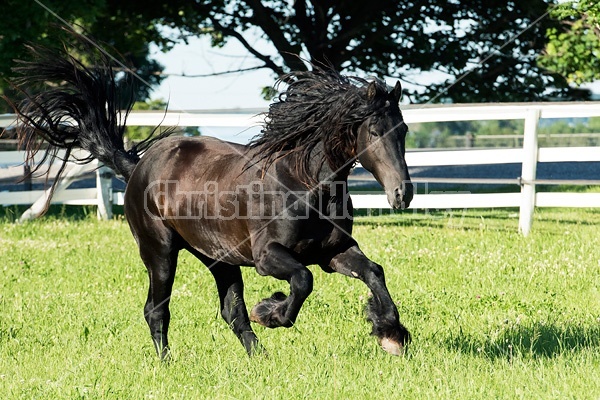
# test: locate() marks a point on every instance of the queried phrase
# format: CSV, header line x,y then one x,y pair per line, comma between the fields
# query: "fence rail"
x,y
528,156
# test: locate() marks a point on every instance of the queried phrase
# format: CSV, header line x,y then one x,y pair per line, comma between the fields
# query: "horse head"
x,y
381,144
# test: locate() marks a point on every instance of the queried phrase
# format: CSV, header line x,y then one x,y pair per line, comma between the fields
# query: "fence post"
x,y
528,171
27,185
104,177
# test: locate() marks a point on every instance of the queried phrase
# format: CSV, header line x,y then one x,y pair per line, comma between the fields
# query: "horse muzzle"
x,y
400,197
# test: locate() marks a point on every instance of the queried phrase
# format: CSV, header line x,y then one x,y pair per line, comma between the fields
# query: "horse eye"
x,y
374,128
373,131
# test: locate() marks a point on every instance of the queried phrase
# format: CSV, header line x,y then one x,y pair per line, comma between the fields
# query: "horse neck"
x,y
322,172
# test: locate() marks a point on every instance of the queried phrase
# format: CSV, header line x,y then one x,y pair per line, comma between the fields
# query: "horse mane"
x,y
317,107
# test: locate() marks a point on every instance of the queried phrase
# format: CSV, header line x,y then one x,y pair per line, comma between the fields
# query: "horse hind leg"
x,y
160,258
230,286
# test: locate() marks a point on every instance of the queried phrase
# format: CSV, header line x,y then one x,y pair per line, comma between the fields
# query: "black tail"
x,y
69,105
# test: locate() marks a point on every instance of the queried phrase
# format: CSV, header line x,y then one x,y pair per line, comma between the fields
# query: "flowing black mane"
x,y
318,107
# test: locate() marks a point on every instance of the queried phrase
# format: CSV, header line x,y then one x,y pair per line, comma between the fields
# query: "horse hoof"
x,y
258,350
262,315
269,312
254,317
268,318
392,347
166,356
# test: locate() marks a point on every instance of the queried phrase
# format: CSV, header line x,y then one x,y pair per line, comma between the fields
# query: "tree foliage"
x,y
487,51
573,48
479,51
114,25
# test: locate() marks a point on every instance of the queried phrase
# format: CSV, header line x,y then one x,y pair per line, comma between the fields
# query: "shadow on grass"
x,y
538,341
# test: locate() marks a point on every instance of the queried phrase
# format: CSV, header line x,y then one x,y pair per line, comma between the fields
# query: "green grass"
x,y
493,315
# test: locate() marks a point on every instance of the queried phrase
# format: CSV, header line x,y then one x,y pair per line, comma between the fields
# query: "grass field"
x,y
493,315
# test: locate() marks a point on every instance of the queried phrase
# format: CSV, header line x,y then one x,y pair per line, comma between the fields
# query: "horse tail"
x,y
69,105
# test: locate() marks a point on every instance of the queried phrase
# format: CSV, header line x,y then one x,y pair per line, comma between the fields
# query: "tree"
x,y
485,51
114,25
573,48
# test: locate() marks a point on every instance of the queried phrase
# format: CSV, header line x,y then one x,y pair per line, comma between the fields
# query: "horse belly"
x,y
220,240
210,220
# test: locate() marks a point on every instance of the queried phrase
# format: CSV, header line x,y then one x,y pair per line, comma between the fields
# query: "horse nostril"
x,y
401,196
398,194
404,195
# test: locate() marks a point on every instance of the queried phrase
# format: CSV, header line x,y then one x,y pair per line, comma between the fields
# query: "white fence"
x,y
528,156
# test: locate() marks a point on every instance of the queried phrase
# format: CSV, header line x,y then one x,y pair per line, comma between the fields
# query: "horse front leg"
x,y
280,310
233,308
381,311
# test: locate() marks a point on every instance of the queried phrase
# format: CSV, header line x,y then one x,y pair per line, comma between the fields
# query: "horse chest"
x,y
321,236
318,242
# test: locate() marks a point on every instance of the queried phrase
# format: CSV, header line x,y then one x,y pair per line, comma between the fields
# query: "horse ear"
x,y
397,92
371,91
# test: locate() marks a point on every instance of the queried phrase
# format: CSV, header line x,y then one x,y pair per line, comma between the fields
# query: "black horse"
x,y
279,204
